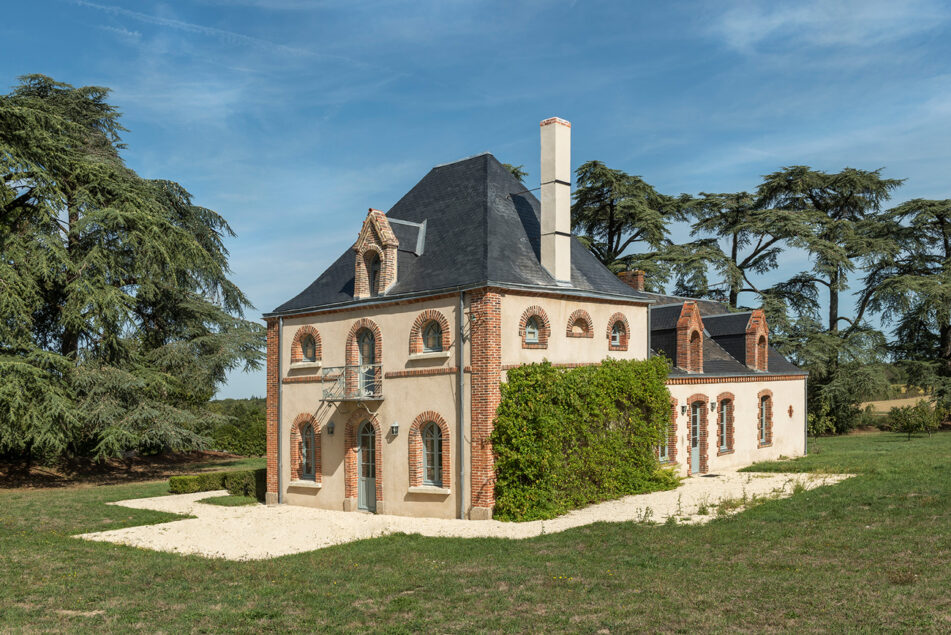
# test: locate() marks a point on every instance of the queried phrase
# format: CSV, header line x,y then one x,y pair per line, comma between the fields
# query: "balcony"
x,y
353,383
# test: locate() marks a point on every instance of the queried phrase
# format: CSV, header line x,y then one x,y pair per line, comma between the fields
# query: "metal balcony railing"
x,y
362,382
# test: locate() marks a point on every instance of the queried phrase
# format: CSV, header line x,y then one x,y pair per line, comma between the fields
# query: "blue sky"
x,y
292,117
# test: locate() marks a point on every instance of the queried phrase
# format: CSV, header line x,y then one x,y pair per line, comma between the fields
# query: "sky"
x,y
292,117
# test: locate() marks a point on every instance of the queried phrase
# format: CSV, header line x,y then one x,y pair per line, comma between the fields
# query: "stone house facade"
x,y
383,375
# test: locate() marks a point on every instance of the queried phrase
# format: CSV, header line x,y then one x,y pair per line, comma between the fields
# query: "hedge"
x,y
565,439
237,482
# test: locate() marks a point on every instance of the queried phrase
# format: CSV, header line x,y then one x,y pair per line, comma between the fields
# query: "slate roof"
x,y
482,228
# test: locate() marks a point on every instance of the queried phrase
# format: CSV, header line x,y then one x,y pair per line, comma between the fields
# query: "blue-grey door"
x,y
366,497
695,438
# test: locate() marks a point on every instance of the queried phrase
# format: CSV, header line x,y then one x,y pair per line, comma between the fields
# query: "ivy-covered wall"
x,y
565,439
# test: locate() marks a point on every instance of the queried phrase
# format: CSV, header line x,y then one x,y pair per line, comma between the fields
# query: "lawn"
x,y
869,554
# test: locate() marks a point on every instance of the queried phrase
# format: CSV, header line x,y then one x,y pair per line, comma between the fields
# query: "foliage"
x,y
117,317
237,482
244,432
922,417
517,171
568,438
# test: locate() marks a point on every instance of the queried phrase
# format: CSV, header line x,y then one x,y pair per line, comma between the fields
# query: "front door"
x,y
366,497
695,438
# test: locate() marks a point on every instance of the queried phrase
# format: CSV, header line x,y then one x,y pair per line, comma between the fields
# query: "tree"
x,y
117,317
615,210
516,171
910,288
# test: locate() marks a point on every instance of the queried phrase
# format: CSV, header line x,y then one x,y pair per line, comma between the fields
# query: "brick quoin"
x,y
352,445
625,336
416,448
297,459
769,417
729,423
297,353
583,319
273,373
416,332
704,437
544,326
485,311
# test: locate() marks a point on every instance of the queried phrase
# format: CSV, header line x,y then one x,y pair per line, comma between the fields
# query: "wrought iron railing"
x,y
352,383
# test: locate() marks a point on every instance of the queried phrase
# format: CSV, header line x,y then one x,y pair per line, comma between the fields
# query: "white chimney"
x,y
556,199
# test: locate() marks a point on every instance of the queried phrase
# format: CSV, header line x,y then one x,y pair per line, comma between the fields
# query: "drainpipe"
x,y
460,408
805,414
280,431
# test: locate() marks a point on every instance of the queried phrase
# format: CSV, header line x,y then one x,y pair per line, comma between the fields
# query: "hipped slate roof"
x,y
482,228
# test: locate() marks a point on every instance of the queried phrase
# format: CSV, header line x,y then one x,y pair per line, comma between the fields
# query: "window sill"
x,y
764,445
722,452
535,345
434,355
305,484
430,489
303,365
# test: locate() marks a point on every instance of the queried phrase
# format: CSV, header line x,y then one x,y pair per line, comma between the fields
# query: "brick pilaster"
x,y
485,312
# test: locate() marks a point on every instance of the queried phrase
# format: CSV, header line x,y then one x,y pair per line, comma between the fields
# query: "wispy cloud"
x,y
826,23
122,32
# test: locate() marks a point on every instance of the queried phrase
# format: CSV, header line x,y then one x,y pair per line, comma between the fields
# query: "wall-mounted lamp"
x,y
330,427
395,429
713,405
683,409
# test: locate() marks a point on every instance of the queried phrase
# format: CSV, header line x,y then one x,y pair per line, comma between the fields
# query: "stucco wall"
x,y
404,399
788,437
562,349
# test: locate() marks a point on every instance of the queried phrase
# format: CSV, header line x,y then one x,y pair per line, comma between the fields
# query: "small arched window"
x,y
373,273
432,455
307,458
579,328
531,330
308,347
617,334
763,420
662,452
726,420
432,338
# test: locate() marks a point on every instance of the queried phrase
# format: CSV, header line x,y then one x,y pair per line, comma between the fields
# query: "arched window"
x,y
308,462
373,272
763,419
662,452
308,347
531,330
695,343
432,338
617,334
726,420
432,455
579,327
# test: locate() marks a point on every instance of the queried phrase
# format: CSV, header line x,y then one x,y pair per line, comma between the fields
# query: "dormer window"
x,y
690,339
757,341
531,331
373,273
376,247
432,338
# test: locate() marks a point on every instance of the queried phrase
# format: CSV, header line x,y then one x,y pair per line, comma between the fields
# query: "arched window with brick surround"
x,y
619,332
725,424
764,419
429,333
580,324
375,262
429,453
305,347
534,328
305,449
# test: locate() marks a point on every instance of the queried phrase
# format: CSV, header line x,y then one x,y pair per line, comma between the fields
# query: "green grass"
x,y
230,501
869,554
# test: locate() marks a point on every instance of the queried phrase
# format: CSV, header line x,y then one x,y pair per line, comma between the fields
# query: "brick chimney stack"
x,y
633,279
556,199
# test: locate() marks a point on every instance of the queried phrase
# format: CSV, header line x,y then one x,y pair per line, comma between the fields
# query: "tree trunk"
x,y
69,345
834,301
734,285
944,351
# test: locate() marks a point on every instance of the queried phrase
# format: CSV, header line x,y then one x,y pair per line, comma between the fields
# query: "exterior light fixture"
x,y
683,409
330,427
713,404
395,429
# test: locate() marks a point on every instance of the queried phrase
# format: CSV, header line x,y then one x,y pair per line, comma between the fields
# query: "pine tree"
x,y
117,317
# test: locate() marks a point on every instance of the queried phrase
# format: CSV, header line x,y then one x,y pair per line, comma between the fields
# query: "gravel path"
x,y
258,532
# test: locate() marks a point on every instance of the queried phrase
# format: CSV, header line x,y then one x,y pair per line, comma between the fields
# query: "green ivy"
x,y
565,439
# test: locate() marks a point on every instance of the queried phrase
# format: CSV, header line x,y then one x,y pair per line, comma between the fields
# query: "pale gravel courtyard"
x,y
259,532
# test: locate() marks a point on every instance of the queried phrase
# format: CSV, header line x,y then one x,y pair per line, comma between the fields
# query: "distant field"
x,y
885,405
870,555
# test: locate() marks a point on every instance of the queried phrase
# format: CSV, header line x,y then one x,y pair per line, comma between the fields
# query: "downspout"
x,y
280,431
460,407
805,412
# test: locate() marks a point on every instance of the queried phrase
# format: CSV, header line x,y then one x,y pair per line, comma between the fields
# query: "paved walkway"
x,y
257,532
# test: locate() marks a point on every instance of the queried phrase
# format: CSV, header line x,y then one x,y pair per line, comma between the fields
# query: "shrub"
x,y
565,439
240,426
909,420
238,483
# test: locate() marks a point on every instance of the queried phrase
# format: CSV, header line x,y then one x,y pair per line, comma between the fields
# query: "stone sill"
x,y
581,335
722,452
433,355
306,484
764,445
430,489
304,365
534,345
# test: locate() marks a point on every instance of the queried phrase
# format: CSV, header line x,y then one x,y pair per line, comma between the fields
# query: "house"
x,y
383,375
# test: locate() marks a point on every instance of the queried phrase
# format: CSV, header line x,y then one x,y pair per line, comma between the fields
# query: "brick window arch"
x,y
764,418
618,333
703,403
726,405
299,344
423,320
670,443
580,324
416,450
534,320
351,450
305,435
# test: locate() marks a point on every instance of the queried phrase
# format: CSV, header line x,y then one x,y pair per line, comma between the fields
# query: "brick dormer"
x,y
375,267
690,339
757,341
